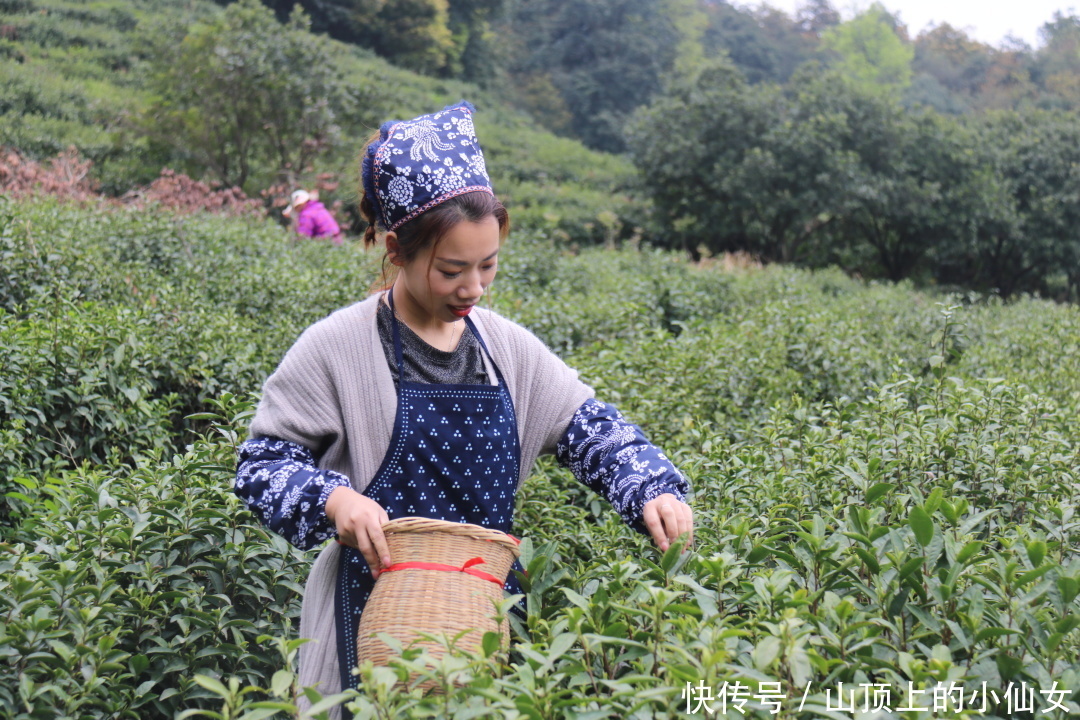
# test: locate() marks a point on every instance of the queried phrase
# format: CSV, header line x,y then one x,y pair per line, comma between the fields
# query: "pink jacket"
x,y
317,222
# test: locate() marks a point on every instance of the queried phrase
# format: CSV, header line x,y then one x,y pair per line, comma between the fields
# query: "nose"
x,y
472,288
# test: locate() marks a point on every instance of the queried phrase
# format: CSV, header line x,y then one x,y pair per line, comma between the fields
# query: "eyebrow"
x,y
462,263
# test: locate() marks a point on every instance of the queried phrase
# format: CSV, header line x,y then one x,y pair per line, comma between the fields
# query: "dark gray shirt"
x,y
464,365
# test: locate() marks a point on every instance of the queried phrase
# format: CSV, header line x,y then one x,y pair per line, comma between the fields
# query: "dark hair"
x,y
430,227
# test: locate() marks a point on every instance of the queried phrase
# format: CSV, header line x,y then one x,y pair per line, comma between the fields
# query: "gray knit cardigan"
x,y
333,393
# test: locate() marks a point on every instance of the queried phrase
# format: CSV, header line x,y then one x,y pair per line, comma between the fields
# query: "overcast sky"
x,y
986,21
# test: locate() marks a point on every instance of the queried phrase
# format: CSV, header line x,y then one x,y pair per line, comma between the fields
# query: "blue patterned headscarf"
x,y
418,164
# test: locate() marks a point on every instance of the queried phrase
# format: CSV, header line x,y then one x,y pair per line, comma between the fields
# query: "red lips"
x,y
461,310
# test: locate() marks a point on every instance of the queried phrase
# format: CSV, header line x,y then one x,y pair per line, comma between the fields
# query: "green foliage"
x,y
823,171
1032,157
870,52
116,327
443,38
576,194
123,585
129,101
764,43
412,33
599,296
605,58
243,93
73,76
1059,62
885,482
722,120
831,173
951,72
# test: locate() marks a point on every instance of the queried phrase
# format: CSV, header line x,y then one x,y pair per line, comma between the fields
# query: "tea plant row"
x,y
885,485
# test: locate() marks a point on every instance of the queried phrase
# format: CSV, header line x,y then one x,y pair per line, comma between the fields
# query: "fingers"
x,y
380,548
367,546
666,518
678,521
371,542
655,526
359,520
685,522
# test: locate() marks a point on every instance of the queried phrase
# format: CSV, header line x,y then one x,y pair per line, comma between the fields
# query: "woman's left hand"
x,y
666,517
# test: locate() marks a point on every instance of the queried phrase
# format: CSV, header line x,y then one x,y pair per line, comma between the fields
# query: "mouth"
x,y
460,310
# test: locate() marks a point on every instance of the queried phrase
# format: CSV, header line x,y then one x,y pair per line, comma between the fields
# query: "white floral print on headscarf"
x,y
417,164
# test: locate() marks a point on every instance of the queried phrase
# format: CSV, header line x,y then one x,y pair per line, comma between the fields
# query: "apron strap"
x,y
397,337
491,359
399,355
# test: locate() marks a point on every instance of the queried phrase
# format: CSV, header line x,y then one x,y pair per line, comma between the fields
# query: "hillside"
x,y
90,75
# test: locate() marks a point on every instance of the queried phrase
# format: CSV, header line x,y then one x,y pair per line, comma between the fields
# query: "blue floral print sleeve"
x,y
282,485
612,457
280,482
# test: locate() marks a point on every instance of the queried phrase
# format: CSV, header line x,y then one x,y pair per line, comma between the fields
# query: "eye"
x,y
449,275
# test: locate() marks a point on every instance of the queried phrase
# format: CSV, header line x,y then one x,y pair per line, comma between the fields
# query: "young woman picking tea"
x,y
418,402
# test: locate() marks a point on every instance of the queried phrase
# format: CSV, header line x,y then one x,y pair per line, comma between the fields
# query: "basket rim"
x,y
431,525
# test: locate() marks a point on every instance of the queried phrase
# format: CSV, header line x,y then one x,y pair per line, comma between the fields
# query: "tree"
x,y
872,51
1058,61
907,192
688,23
604,57
956,74
1034,158
949,69
814,17
446,38
732,166
953,59
412,33
476,54
340,19
764,43
1009,83
686,142
826,173
242,94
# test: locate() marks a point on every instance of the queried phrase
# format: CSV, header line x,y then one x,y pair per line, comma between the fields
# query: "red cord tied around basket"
x,y
466,568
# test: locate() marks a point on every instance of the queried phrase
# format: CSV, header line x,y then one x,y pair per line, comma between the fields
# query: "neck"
x,y
432,330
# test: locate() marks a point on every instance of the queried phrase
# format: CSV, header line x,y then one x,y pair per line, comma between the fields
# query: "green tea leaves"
x,y
922,525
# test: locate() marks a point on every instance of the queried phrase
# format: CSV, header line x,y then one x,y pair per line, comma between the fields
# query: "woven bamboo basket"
x,y
410,602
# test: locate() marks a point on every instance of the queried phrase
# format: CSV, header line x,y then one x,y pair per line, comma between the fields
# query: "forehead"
x,y
470,241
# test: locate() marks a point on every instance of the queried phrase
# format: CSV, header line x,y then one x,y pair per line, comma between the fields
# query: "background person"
x,y
312,218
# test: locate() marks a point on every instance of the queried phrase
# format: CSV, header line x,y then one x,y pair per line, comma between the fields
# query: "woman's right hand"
x,y
359,521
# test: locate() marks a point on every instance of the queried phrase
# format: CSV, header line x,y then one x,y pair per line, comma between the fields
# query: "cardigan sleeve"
x,y
297,425
613,458
300,399
280,483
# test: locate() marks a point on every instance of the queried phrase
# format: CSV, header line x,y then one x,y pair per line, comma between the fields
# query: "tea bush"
x,y
121,584
885,485
116,326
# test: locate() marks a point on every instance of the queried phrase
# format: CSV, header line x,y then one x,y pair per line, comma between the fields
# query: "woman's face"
x,y
444,281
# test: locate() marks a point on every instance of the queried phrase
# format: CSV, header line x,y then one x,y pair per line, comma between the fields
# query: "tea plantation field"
x,y
886,486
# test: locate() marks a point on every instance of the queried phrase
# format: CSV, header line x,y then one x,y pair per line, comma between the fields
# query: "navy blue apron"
x,y
453,456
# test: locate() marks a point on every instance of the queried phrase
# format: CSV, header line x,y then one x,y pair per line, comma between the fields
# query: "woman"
x,y
416,401
313,220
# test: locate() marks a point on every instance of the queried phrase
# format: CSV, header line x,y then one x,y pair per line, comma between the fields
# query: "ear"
x,y
393,250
